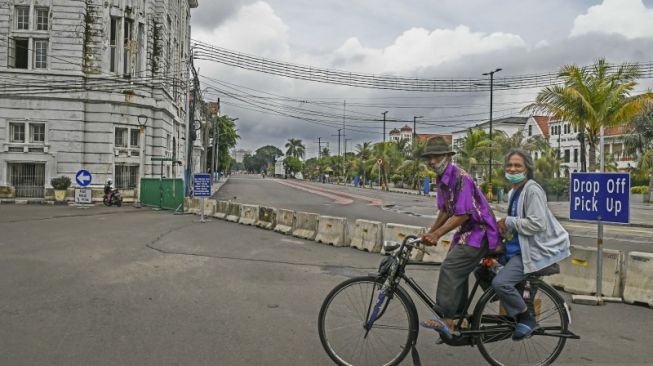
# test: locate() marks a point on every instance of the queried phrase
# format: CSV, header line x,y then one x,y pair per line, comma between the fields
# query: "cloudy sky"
x,y
442,39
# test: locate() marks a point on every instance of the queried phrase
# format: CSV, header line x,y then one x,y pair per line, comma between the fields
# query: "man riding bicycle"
x,y
461,205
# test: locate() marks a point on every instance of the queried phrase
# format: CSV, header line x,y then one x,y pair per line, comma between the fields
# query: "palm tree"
x,y
471,151
295,148
639,142
325,151
591,98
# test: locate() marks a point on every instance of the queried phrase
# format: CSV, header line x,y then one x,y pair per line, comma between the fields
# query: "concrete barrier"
x,y
221,208
332,230
267,217
368,235
397,232
191,205
248,214
209,207
305,225
578,272
233,212
638,286
285,221
438,253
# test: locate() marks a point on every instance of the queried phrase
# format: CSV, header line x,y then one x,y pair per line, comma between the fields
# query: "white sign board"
x,y
83,195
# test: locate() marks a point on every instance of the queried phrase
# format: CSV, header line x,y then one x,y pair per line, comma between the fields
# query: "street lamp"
x,y
384,113
489,185
415,127
142,121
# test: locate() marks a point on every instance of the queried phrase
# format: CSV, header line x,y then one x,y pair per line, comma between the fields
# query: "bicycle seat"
x,y
546,271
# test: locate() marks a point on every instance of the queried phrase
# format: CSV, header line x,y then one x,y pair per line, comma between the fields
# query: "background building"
x,y
75,76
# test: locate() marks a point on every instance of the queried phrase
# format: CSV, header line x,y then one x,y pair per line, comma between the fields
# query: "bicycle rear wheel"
x,y
344,314
542,348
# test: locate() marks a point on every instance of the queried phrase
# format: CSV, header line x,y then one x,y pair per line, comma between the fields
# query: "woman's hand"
x,y
502,225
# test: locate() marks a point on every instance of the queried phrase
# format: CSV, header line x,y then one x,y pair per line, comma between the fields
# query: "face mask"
x,y
515,178
441,166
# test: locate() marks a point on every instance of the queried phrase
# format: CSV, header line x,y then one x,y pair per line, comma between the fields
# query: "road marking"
x,y
373,201
337,199
292,241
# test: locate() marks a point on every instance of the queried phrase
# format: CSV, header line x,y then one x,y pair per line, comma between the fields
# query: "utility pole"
x,y
489,184
319,147
340,129
344,112
192,134
415,127
384,113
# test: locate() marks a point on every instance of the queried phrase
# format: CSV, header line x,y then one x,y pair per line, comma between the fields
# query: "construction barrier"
x,y
437,253
267,217
638,286
332,230
209,207
248,214
233,212
305,225
285,221
368,235
578,272
397,232
191,205
221,208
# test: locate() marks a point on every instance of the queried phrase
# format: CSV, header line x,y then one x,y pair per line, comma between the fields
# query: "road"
x,y
126,286
356,203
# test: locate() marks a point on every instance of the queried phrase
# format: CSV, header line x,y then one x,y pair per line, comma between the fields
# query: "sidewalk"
x,y
215,186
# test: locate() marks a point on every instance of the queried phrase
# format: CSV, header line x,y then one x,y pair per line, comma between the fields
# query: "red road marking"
x,y
373,201
337,199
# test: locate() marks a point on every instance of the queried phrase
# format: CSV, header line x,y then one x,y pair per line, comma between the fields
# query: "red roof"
x,y
394,131
543,123
426,136
615,131
406,128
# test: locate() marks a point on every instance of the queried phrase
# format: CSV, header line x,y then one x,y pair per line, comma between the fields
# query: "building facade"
x,y
99,85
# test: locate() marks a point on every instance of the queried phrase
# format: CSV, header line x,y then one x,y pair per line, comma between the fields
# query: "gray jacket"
x,y
542,240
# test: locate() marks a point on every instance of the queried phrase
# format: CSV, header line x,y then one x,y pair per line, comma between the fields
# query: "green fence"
x,y
163,193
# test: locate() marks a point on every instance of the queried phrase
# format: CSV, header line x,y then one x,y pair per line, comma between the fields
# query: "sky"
x,y
444,39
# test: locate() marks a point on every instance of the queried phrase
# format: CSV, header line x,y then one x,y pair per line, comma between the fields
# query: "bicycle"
x,y
372,320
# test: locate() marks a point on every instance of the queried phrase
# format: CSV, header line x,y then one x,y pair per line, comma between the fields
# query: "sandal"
x,y
439,326
523,331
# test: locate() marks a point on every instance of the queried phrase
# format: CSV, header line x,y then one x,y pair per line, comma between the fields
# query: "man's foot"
x,y
440,326
526,325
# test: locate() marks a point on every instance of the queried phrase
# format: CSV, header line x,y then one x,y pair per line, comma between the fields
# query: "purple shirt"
x,y
457,196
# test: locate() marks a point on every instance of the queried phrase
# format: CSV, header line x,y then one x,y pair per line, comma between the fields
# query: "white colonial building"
x,y
76,75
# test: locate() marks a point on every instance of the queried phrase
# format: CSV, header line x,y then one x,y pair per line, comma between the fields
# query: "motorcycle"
x,y
113,198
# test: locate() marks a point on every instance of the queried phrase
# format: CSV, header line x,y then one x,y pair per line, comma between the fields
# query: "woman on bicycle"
x,y
534,239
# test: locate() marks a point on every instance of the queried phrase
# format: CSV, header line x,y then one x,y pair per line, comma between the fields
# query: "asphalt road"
x,y
356,203
125,286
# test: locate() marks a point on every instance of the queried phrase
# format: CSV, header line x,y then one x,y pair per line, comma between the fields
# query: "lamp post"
x,y
384,113
489,185
142,121
415,127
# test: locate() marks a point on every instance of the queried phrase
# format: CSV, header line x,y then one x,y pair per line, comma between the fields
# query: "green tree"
x,y
472,151
294,147
227,138
292,165
639,143
591,98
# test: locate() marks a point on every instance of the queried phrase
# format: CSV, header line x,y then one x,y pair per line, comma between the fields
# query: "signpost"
x,y
83,195
83,178
600,197
202,189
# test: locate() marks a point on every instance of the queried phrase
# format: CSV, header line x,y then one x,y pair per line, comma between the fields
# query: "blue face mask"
x,y
515,178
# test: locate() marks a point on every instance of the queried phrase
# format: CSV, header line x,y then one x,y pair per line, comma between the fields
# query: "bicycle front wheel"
x,y
345,313
542,348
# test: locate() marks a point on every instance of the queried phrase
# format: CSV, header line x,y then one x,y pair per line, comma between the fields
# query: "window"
x,y
17,132
37,132
40,54
530,130
575,155
113,58
168,141
22,17
121,137
127,46
41,18
567,153
18,52
126,176
134,137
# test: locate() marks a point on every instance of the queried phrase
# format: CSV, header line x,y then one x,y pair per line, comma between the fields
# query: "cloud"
x,y
630,18
418,48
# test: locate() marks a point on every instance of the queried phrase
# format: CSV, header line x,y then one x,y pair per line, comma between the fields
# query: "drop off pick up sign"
x,y
600,197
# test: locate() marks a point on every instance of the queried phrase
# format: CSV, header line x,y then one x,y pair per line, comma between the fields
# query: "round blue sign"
x,y
83,178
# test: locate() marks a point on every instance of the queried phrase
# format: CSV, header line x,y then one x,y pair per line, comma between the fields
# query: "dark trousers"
x,y
453,283
504,284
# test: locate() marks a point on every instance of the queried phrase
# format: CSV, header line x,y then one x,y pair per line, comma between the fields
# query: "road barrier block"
x,y
191,205
638,286
368,235
221,208
233,212
332,230
305,225
248,214
285,221
578,272
397,232
267,217
209,207
437,254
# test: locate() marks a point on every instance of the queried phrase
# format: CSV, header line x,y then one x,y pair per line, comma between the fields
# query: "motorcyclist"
x,y
108,189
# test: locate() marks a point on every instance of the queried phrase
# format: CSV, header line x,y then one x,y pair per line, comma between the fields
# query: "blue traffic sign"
x,y
83,178
600,197
201,185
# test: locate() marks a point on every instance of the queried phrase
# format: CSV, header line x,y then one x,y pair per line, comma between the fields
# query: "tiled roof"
x,y
394,131
406,128
543,123
616,130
